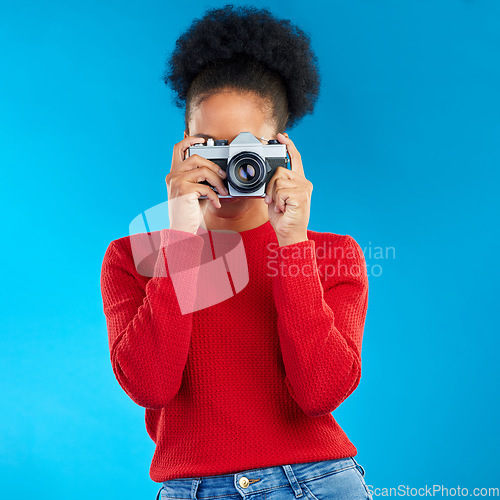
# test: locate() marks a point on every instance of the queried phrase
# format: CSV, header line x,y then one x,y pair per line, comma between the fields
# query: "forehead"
x,y
225,114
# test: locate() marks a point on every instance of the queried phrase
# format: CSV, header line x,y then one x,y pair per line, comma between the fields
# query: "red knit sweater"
x,y
242,368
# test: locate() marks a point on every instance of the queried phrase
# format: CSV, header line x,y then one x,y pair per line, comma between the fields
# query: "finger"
x,y
197,161
203,189
280,182
286,197
193,190
295,158
180,148
201,174
281,173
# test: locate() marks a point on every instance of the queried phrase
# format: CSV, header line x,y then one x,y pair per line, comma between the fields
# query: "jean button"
x,y
244,482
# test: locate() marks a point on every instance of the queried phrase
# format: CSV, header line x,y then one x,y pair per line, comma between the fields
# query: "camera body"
x,y
249,164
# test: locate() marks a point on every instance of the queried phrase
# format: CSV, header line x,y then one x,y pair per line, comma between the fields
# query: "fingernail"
x,y
276,209
222,172
266,199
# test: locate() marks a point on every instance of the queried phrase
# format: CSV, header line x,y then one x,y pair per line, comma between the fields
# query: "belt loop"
x,y
360,467
293,481
194,487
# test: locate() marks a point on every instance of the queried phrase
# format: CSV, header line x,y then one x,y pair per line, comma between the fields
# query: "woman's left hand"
x,y
288,196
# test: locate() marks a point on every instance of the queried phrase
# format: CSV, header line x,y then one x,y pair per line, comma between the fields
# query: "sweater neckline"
x,y
256,232
263,229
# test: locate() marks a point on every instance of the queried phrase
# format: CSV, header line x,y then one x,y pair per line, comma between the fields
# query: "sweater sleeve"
x,y
149,327
321,324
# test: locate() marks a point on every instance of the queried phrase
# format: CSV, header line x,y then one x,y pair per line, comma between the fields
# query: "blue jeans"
x,y
325,480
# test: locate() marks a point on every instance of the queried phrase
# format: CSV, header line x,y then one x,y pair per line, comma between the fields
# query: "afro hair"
x,y
248,49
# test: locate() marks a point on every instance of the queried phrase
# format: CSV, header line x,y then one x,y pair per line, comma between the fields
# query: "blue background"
x,y
403,151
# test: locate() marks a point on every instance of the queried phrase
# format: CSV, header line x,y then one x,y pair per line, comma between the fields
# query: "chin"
x,y
233,205
241,201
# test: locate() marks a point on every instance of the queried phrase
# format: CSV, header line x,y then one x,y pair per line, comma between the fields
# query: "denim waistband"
x,y
252,481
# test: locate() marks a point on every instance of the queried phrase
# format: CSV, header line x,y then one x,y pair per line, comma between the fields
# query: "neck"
x,y
239,215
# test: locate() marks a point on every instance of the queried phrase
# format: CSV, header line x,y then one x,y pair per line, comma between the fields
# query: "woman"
x,y
240,348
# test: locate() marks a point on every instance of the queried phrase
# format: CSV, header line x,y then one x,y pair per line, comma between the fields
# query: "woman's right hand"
x,y
185,212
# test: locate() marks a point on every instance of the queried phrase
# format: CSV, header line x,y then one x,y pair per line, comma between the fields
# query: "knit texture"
x,y
238,369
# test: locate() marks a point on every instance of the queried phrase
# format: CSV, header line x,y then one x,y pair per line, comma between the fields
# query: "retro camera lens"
x,y
246,171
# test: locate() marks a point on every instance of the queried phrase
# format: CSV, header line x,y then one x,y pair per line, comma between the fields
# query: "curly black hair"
x,y
246,49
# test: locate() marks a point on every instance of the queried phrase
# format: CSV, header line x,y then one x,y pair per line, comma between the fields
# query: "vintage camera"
x,y
248,163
